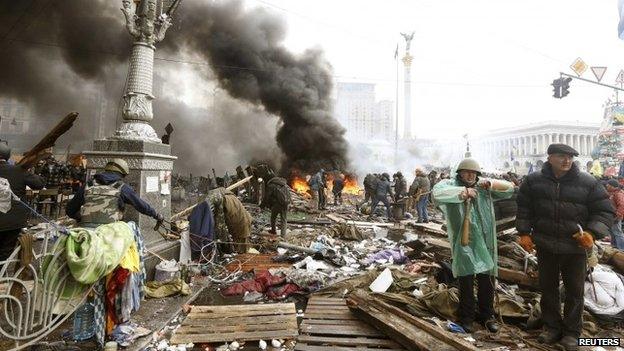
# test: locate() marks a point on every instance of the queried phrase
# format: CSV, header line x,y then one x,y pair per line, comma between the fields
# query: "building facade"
x,y
525,146
363,117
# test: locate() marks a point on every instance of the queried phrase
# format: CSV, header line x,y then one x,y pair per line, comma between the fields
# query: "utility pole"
x,y
396,109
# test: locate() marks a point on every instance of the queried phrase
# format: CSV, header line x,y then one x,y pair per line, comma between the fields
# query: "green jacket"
x,y
481,254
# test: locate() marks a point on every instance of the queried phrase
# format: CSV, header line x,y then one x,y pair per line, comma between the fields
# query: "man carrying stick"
x,y
467,202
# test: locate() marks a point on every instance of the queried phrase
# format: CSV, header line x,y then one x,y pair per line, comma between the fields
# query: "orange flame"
x,y
299,185
351,185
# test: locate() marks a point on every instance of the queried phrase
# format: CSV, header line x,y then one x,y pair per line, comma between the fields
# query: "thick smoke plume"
x,y
57,55
245,52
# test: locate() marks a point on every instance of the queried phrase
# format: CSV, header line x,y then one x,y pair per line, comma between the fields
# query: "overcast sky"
x,y
478,64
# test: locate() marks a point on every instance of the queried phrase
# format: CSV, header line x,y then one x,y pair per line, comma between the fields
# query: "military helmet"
x,y
5,151
469,164
386,175
117,165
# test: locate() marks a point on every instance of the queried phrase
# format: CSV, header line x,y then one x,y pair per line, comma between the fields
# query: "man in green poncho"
x,y
476,254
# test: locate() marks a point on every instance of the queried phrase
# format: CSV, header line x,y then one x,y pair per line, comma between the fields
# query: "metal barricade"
x,y
35,299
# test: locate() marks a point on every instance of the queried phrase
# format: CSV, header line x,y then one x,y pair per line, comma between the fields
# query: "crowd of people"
x,y
62,175
561,212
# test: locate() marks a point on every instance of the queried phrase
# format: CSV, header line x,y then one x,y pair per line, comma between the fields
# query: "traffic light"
x,y
557,88
565,85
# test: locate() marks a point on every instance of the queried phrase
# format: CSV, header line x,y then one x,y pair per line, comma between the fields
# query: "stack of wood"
x,y
410,331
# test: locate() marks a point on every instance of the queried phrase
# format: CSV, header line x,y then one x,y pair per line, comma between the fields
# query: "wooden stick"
x,y
203,198
465,233
31,157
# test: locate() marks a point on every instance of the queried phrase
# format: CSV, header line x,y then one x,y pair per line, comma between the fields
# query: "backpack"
x,y
101,204
279,192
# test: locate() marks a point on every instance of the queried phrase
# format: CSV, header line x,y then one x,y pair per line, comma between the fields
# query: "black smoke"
x,y
61,53
246,53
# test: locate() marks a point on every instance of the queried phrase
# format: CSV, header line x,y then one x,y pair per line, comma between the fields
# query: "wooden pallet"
x,y
208,324
328,324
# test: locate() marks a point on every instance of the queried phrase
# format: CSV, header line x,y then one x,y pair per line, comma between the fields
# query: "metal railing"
x,y
37,298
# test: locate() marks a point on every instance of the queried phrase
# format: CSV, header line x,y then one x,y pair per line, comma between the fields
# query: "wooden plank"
x,y
305,347
206,315
240,336
326,299
336,310
352,330
316,300
328,305
410,331
331,322
239,320
347,316
241,310
199,329
517,277
249,307
348,341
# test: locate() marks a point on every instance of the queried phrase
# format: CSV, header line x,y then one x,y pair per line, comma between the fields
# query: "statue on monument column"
x,y
146,28
142,24
408,40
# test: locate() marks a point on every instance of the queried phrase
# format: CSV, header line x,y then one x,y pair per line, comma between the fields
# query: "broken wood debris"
x,y
328,324
38,152
247,262
509,275
408,330
208,324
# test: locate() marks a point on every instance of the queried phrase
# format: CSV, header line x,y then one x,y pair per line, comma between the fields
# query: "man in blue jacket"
x,y
104,200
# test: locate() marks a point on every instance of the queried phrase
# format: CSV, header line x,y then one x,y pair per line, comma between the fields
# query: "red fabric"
x,y
260,283
283,292
617,199
610,172
113,287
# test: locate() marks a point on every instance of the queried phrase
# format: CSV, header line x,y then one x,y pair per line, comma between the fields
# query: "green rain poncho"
x,y
481,254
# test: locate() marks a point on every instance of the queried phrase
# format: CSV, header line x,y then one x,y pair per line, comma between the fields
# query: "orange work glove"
x,y
584,239
526,242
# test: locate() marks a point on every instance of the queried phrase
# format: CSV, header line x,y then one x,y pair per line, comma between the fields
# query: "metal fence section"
x,y
38,297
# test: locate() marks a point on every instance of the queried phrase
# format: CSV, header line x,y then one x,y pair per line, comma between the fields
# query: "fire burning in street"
x,y
351,185
300,185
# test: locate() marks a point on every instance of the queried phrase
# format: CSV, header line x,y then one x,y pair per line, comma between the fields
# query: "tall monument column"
x,y
135,140
407,62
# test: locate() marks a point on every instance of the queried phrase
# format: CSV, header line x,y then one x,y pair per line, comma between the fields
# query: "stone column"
x,y
135,141
407,73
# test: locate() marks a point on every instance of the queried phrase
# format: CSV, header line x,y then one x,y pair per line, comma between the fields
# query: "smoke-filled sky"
x,y
264,103
478,64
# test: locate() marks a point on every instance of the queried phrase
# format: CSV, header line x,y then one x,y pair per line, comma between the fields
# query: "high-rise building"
x,y
357,111
355,106
384,119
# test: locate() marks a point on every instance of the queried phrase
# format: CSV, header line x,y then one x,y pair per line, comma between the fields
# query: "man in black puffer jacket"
x,y
551,206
